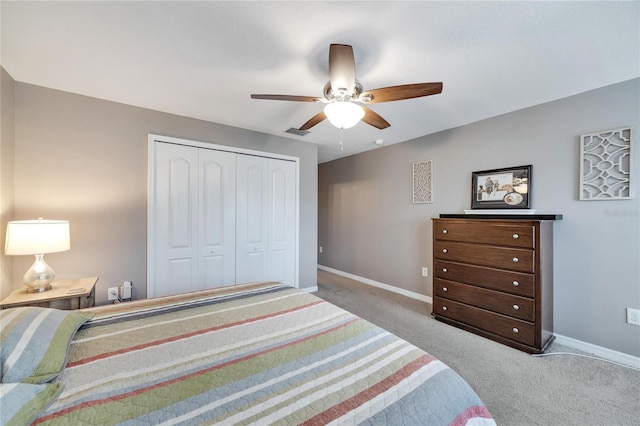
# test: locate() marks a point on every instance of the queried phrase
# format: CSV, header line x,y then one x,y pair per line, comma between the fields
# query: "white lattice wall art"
x,y
605,165
423,182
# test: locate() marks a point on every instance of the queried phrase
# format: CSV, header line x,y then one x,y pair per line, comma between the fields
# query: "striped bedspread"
x,y
252,354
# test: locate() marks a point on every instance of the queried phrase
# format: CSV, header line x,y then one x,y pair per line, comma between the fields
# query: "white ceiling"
x,y
203,59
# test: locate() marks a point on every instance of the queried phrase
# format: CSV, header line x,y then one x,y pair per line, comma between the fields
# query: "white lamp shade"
x,y
343,114
37,237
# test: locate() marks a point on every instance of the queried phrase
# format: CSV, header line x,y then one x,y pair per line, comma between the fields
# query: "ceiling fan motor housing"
x,y
334,95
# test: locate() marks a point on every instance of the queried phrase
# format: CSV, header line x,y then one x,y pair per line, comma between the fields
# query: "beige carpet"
x,y
518,389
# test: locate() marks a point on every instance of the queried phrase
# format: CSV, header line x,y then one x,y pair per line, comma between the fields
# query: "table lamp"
x,y
37,237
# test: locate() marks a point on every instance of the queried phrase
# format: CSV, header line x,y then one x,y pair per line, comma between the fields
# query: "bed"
x,y
259,353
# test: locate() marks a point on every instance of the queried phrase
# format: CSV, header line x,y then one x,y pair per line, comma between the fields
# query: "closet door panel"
x,y
282,191
211,271
216,221
179,272
251,216
253,268
255,197
176,220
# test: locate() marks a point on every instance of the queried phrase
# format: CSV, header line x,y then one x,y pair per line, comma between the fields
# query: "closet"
x,y
218,218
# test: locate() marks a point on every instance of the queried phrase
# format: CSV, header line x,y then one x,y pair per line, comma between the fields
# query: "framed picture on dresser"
x,y
508,188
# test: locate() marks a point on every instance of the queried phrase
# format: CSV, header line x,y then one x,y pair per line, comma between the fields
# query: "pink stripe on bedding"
x,y
471,413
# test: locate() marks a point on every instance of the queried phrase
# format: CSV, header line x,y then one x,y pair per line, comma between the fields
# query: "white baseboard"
x,y
373,283
599,351
310,289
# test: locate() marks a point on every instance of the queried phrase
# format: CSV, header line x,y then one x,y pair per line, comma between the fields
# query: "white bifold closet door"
x,y
195,219
220,218
265,227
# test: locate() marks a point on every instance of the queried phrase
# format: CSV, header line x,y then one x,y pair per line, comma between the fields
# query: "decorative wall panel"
x,y
423,182
605,165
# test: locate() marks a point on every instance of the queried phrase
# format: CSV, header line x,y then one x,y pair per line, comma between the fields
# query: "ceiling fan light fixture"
x,y
343,114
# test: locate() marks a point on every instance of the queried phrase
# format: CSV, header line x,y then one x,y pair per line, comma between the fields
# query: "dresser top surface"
x,y
515,216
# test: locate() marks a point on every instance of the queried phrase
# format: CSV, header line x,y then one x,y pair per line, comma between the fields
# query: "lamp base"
x,y
34,288
39,277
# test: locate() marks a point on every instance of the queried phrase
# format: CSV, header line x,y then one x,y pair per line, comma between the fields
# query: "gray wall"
x,y
7,136
85,160
369,227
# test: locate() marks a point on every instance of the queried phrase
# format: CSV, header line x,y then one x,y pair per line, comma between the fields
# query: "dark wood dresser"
x,y
493,276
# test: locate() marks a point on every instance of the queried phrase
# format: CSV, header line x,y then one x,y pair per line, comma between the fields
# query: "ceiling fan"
x,y
345,99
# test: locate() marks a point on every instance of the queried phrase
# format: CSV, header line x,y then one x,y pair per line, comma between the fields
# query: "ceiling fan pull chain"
x,y
341,136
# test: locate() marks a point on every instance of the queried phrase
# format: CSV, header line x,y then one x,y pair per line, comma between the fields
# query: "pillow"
x,y
20,403
34,342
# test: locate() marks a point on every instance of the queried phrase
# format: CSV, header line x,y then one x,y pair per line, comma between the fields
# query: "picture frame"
x,y
508,188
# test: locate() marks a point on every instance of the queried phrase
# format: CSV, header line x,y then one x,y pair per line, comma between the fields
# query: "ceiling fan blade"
x,y
287,98
342,69
374,119
318,118
397,93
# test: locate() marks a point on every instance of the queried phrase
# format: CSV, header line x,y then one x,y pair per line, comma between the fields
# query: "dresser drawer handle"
x,y
445,289
516,307
516,236
516,283
444,308
444,231
515,330
445,251
444,269
516,260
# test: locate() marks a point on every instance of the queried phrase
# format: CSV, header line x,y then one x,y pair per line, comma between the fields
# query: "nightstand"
x,y
65,294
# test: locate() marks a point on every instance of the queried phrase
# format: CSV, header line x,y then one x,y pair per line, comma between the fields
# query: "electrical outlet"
x,y
633,316
320,249
112,293
425,271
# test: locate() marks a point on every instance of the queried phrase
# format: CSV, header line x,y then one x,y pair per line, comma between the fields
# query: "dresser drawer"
x,y
510,328
519,283
514,259
507,304
512,235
